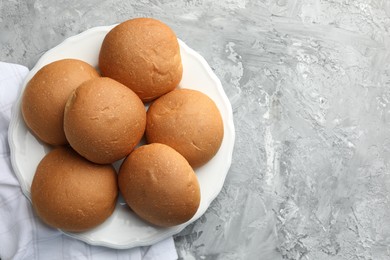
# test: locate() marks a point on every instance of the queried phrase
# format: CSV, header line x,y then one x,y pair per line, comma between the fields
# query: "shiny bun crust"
x,y
188,121
71,193
144,55
104,120
45,96
159,185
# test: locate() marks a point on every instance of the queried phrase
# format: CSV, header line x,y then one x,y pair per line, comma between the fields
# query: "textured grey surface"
x,y
309,82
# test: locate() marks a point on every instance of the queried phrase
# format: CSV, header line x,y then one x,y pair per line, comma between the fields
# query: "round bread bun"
x,y
144,55
70,193
45,95
188,121
104,120
159,185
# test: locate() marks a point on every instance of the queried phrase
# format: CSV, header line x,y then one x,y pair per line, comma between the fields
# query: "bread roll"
x,y
45,96
144,55
159,185
188,121
104,120
71,193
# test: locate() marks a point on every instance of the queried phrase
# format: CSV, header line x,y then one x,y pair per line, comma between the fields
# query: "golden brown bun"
x,y
104,120
188,121
45,96
71,193
159,185
144,55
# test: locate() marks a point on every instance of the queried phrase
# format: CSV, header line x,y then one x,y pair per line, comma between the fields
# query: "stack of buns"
x,y
93,121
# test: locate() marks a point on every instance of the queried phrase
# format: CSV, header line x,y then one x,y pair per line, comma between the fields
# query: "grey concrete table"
x,y
309,82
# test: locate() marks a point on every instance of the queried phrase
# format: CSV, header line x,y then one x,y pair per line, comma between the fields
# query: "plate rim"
x,y
163,234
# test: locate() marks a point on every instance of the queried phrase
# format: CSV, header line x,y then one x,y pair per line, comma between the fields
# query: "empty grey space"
x,y
309,84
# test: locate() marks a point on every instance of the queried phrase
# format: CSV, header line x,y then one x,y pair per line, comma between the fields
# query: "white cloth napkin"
x,y
22,234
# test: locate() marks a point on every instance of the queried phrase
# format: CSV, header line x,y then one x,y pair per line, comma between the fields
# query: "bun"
x,y
71,193
159,185
45,96
104,120
144,55
188,121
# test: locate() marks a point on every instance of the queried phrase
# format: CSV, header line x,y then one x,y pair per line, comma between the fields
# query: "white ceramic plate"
x,y
123,229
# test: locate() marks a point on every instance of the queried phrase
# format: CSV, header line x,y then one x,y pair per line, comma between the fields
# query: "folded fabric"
x,y
22,234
